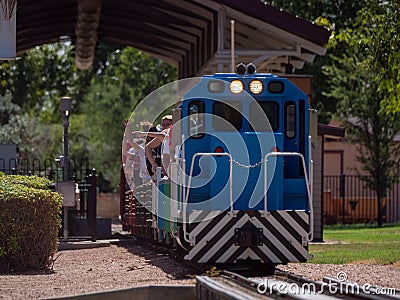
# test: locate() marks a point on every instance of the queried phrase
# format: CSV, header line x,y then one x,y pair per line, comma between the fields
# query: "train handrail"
x,y
185,234
311,162
308,185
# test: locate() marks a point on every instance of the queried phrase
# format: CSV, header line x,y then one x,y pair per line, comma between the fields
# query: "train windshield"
x,y
260,111
227,117
196,119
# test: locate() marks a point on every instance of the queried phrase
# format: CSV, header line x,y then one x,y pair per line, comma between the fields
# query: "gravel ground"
x,y
128,264
362,273
94,270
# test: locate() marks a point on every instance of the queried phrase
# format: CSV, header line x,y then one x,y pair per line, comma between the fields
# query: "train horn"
x,y
251,69
240,69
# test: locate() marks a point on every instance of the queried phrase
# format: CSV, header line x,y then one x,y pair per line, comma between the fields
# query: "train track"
x,y
224,284
282,284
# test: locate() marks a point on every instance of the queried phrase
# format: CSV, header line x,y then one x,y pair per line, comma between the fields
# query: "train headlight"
x,y
236,86
256,87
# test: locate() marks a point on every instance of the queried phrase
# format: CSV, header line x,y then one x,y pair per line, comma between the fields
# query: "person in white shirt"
x,y
159,138
134,160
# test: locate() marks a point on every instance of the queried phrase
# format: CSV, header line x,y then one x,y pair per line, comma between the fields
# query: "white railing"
x,y
186,199
309,183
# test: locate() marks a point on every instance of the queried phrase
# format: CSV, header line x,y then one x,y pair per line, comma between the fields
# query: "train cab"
x,y
246,117
246,169
240,184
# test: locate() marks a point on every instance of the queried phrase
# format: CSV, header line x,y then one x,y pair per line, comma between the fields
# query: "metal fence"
x,y
49,168
348,199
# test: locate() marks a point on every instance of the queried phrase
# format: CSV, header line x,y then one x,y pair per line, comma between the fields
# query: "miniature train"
x,y
240,188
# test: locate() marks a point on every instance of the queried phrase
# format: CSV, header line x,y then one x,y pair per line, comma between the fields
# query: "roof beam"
x,y
86,32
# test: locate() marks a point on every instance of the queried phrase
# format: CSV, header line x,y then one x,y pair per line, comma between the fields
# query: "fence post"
x,y
343,195
92,204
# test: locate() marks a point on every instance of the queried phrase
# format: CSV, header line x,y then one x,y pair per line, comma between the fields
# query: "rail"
x,y
309,183
286,285
185,234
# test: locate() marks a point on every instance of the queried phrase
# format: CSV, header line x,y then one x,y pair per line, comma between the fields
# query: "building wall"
x,y
303,82
340,157
108,206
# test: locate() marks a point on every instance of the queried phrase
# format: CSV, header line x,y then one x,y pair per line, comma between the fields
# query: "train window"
x,y
227,117
290,120
196,119
276,87
216,86
261,109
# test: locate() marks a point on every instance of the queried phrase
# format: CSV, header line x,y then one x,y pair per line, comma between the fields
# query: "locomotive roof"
x,y
234,75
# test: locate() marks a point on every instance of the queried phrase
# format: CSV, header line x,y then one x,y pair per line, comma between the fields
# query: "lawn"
x,y
358,243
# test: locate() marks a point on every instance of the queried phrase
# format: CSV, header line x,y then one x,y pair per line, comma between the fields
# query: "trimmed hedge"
x,y
29,222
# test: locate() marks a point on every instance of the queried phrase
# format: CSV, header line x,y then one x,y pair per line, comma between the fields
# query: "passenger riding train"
x,y
239,186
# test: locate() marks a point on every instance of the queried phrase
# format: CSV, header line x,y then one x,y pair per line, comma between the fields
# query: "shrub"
x,y
29,222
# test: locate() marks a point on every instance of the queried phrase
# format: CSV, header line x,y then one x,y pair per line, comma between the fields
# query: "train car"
x,y
240,188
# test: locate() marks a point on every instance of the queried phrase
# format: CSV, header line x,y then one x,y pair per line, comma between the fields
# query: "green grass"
x,y
358,243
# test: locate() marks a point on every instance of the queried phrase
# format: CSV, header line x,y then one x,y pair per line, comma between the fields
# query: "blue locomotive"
x,y
239,188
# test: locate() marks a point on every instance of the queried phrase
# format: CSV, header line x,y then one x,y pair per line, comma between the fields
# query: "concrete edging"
x,y
149,292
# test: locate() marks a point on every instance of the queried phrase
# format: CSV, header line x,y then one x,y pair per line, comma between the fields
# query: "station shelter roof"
x,y
193,35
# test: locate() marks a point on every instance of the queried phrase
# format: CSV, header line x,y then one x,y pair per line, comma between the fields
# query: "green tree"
x,y
34,139
334,15
364,81
130,77
38,78
385,39
103,97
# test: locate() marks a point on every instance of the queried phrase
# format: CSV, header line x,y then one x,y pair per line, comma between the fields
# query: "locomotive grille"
x,y
247,237
275,239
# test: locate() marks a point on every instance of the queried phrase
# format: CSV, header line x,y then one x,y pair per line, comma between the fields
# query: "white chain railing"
x,y
247,166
